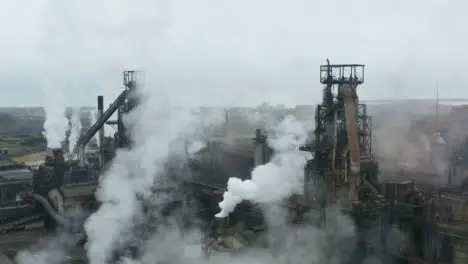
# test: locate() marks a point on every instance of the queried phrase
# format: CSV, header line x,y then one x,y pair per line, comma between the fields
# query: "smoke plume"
x,y
287,244
49,250
94,116
134,172
199,57
75,129
54,81
410,147
194,147
56,124
282,176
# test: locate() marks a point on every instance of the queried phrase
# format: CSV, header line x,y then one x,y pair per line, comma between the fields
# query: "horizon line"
x,y
383,100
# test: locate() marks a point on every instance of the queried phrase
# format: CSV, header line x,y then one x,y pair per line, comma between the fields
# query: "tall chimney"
x,y
259,151
100,103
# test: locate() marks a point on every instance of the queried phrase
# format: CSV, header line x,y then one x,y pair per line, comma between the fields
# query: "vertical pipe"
x,y
120,129
100,101
259,152
335,141
226,123
82,155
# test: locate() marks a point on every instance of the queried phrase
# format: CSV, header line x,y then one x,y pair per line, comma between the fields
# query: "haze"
x,y
219,52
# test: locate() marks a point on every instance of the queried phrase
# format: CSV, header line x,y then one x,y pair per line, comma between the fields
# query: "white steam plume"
x,y
49,250
194,147
281,177
206,125
94,116
287,244
195,58
407,142
54,80
56,124
134,172
75,129
51,255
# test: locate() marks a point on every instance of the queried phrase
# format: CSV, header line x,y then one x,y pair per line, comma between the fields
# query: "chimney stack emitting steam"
x,y
282,176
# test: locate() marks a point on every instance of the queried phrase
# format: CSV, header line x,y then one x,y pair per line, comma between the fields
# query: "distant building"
x,y
13,177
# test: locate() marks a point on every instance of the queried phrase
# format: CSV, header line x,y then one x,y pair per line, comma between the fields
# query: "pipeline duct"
x,y
50,210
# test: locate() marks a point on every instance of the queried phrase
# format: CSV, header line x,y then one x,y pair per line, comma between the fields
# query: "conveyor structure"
x,y
122,104
59,187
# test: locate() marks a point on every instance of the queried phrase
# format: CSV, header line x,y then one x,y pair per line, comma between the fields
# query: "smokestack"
x,y
259,152
226,123
58,156
100,102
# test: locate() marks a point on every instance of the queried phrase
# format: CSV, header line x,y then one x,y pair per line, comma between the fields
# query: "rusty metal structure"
x,y
342,145
343,171
58,187
124,103
343,168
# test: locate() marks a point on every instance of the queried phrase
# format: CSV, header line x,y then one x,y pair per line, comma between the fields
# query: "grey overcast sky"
x,y
222,52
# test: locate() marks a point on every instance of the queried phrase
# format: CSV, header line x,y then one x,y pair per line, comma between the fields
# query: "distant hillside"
x,y
11,126
25,112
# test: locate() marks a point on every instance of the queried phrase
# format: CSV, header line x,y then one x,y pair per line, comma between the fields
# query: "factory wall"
x,y
452,227
460,251
458,173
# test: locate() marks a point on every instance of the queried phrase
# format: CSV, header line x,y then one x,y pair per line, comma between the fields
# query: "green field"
x,y
22,141
21,134
23,144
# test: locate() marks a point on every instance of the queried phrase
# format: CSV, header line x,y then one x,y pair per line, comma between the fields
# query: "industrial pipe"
x,y
50,210
335,139
58,219
100,101
259,152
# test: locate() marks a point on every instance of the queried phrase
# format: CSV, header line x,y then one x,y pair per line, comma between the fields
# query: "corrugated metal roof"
x,y
10,171
78,190
18,174
4,162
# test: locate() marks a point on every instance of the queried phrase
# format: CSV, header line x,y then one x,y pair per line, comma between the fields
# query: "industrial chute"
x,y
350,111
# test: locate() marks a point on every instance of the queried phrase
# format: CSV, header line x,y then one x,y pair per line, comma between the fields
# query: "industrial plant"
x,y
418,192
